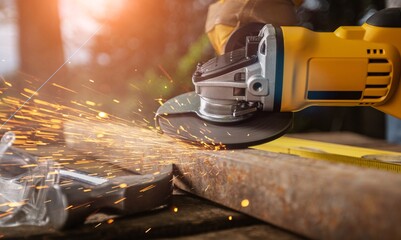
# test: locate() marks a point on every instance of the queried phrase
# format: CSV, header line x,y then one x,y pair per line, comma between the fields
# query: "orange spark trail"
x,y
51,76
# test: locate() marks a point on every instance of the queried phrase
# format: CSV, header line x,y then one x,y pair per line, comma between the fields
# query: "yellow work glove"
x,y
226,16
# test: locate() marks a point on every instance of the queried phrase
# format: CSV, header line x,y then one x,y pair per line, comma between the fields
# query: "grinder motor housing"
x,y
286,69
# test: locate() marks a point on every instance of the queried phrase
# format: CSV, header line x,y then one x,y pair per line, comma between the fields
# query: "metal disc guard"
x,y
178,118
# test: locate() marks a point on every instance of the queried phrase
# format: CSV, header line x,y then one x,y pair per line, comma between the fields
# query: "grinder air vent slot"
x,y
378,79
239,77
374,51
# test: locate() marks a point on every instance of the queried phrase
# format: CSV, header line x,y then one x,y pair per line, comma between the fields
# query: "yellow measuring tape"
x,y
364,157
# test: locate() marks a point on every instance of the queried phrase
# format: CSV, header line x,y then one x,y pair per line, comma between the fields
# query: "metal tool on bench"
x,y
247,96
36,192
24,182
79,194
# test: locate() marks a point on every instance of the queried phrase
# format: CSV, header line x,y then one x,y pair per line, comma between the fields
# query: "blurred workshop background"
x,y
124,57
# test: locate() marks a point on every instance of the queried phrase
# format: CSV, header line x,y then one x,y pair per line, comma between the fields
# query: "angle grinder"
x,y
247,96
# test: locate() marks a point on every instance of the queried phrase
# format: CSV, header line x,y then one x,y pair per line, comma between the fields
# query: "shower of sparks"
x,y
109,146
51,76
120,145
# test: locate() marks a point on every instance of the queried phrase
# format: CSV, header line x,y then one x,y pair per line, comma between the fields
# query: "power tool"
x,y
247,96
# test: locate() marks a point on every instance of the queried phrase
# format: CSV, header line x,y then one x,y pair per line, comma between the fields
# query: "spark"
x,y
160,101
82,205
90,103
12,205
148,230
64,88
165,74
245,203
175,209
69,207
102,115
29,91
29,166
147,188
97,225
24,95
110,221
23,117
120,200
230,218
51,76
134,86
83,161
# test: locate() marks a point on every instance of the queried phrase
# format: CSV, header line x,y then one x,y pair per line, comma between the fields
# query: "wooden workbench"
x,y
187,217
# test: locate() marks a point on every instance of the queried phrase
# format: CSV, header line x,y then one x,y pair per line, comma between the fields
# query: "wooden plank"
x,y
192,216
314,198
259,231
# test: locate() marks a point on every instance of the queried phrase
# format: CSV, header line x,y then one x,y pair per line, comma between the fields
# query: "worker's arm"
x,y
226,16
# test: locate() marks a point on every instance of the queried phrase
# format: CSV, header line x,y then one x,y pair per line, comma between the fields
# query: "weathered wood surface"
x,y
193,216
314,198
257,231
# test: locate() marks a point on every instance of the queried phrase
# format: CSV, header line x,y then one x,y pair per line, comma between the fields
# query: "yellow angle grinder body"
x,y
247,96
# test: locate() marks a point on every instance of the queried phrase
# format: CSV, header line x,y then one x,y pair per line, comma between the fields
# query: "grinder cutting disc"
x,y
178,118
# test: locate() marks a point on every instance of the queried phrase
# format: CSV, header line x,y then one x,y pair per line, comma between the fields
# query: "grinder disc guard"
x,y
178,117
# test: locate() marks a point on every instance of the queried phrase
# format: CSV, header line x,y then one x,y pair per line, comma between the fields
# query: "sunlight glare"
x,y
99,7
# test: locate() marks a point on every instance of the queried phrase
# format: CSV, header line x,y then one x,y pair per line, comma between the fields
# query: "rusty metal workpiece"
x,y
317,199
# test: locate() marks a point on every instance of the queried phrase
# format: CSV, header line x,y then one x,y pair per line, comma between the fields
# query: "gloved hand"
x,y
226,16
